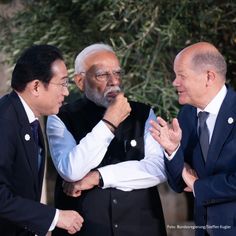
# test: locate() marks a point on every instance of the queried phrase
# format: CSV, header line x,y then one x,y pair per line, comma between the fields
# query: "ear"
x,y
34,87
211,77
79,81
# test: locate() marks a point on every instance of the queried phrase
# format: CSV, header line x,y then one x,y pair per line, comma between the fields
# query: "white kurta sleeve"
x,y
74,161
145,173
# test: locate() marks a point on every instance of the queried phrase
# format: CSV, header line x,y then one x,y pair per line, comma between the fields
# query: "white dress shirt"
x,y
74,161
213,109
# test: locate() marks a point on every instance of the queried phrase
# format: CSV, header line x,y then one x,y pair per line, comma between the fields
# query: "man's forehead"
x,y
103,57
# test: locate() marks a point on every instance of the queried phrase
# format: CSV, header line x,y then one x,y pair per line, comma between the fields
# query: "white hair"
x,y
94,48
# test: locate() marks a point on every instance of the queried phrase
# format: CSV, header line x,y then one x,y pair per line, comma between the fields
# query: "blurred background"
x,y
146,34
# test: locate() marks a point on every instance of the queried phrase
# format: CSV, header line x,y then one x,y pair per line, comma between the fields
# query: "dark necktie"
x,y
203,133
35,129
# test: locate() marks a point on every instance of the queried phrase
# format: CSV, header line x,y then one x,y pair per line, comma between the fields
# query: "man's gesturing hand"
x,y
167,135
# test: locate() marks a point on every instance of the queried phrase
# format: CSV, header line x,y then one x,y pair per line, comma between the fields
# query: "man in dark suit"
x,y
103,142
39,83
204,162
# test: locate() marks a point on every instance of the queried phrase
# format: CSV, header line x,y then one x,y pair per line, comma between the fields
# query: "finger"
x,y
154,125
195,174
71,230
69,188
65,187
188,189
75,194
161,121
155,134
77,226
175,125
184,172
80,218
120,95
187,166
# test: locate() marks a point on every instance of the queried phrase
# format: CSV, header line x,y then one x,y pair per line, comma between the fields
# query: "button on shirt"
x,y
74,161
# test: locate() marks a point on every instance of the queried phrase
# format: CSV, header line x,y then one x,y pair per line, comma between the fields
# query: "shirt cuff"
x,y
170,157
55,220
194,190
107,176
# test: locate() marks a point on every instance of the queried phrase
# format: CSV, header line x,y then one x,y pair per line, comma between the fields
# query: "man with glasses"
x,y
39,83
108,163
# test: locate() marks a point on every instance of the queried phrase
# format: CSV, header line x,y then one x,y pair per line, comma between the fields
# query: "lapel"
x,y
190,141
223,128
26,136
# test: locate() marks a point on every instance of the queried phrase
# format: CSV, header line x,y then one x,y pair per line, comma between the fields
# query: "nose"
x,y
113,80
65,91
175,82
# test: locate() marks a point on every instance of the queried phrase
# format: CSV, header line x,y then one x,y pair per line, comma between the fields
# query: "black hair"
x,y
35,63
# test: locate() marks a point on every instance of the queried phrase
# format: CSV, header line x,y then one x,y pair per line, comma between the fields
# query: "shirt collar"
x,y
214,106
29,112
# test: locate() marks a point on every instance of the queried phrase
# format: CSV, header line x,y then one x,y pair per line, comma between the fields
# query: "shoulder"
x,y
7,111
187,110
187,118
231,94
8,119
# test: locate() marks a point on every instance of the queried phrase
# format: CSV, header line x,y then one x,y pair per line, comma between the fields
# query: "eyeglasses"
x,y
105,76
63,85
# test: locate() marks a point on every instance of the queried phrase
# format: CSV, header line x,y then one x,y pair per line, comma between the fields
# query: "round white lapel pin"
x,y
230,120
27,137
133,143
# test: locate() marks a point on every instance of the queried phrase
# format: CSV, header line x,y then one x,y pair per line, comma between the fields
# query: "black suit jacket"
x,y
215,190
20,180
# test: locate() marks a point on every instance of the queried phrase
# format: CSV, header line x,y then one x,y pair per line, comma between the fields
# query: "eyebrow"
x,y
106,70
65,78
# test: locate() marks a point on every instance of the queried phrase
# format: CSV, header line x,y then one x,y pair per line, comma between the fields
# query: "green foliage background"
x,y
146,35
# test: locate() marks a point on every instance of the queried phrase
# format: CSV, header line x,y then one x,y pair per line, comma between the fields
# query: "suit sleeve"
x,y
174,169
175,166
215,189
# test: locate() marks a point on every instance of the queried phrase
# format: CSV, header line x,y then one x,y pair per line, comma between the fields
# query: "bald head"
x,y
200,72
199,47
204,56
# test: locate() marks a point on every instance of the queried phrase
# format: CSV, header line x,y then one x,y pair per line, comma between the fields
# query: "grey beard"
x,y
100,99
